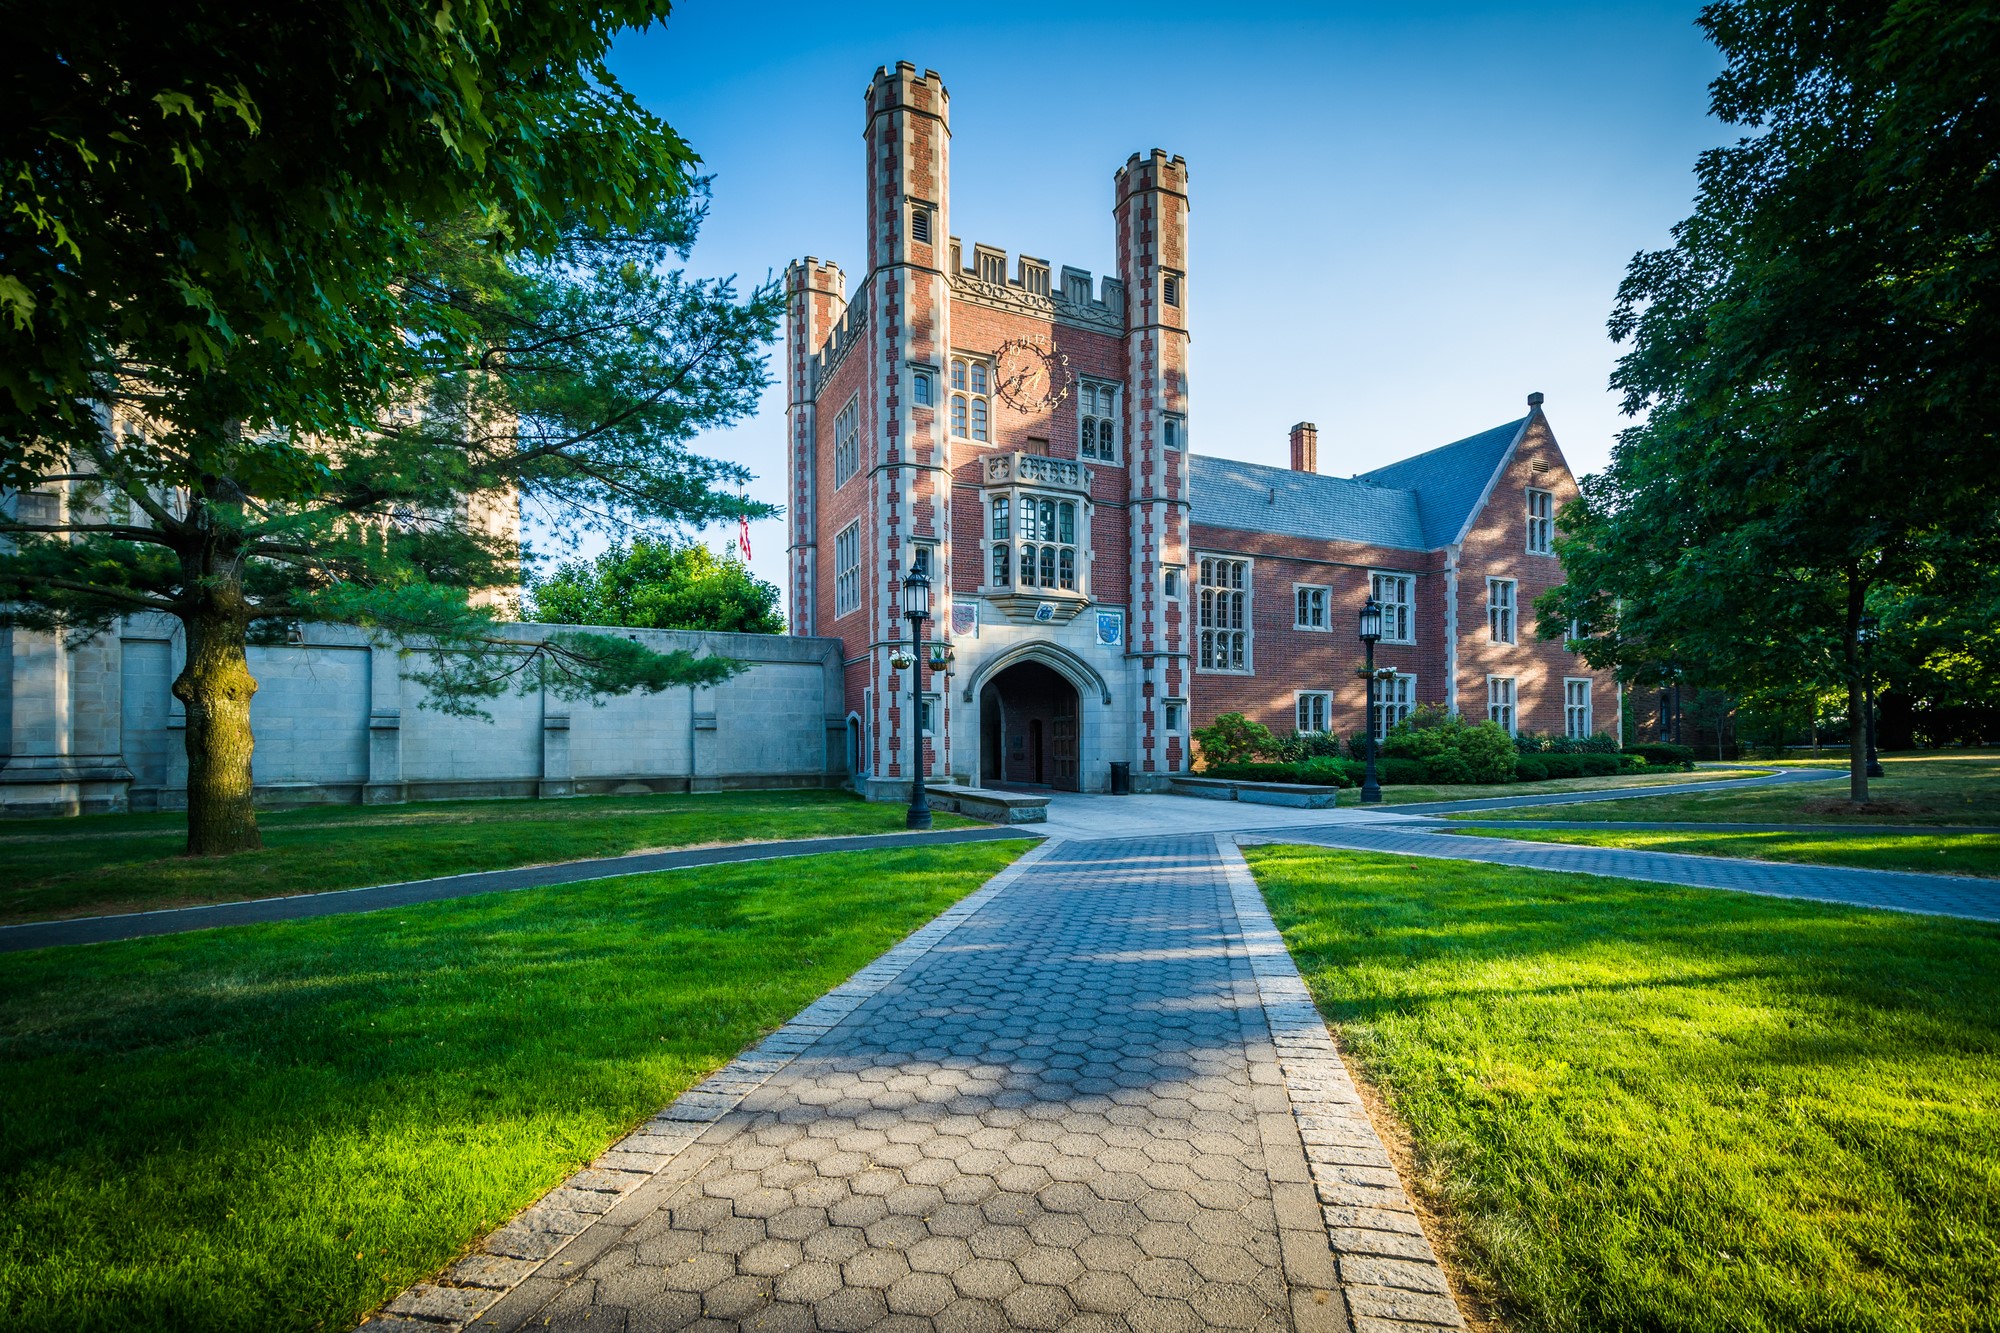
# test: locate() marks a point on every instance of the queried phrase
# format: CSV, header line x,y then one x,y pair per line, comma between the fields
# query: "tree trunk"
x,y
1857,705
216,686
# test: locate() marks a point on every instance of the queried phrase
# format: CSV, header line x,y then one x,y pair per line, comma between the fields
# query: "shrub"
x,y
1357,746
1598,765
1398,772
1303,745
1530,768
1321,772
1658,755
1563,765
1531,742
1233,739
1480,751
1631,763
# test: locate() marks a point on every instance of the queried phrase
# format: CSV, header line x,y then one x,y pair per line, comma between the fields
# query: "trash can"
x,y
1121,777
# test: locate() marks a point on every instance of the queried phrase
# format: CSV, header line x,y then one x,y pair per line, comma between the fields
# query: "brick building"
x,y
1022,436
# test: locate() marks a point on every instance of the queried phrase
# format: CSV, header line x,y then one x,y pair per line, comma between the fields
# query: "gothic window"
x,y
1223,615
1311,609
969,410
1313,707
1500,702
1576,707
847,569
1097,426
1394,594
1171,582
1395,699
847,441
1541,522
1500,610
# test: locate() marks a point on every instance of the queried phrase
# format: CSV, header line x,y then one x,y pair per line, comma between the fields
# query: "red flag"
x,y
743,537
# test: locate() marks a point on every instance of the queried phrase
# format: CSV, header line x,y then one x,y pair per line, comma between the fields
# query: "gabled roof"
x,y
1251,497
1450,481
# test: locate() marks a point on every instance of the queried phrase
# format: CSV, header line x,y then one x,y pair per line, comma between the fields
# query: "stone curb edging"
x,y
1389,1274
537,1234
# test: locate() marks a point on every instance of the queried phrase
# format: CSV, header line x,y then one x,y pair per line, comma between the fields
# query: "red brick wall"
x,y
1496,547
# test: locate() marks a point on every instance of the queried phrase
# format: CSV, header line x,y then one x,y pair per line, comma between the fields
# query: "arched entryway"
x,y
1029,728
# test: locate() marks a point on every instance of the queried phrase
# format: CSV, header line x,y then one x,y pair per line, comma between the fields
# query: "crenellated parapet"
x,y
1032,290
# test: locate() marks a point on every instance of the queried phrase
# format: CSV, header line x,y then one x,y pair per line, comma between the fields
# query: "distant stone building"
x,y
1024,438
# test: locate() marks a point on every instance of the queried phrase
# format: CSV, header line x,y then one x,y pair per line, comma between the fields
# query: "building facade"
x,y
1020,434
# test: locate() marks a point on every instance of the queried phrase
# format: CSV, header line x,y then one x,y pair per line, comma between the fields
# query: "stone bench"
x,y
1002,807
1300,795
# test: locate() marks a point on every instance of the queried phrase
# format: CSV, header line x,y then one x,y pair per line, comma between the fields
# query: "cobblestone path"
x,y
1069,1111
1946,895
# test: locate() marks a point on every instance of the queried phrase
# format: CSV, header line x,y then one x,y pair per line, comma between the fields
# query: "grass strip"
x,y
127,863
1926,853
1414,794
279,1127
1654,1107
1930,789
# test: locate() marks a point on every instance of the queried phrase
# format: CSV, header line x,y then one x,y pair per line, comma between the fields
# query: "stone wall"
x,y
92,727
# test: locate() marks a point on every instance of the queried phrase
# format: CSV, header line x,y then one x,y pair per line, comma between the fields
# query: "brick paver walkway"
x,y
1066,1109
1949,895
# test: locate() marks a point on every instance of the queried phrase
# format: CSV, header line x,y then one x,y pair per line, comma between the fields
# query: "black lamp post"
x,y
1870,627
917,609
1371,634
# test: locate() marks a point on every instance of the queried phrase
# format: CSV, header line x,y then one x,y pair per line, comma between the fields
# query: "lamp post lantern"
x,y
917,609
1371,634
1870,627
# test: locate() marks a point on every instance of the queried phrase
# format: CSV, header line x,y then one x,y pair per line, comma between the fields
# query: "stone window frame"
x,y
923,386
1541,506
1019,540
1173,716
847,442
1503,702
1389,707
1305,603
920,223
847,577
1399,617
1173,431
1097,431
1321,701
1173,582
970,389
1501,610
1577,727
1241,655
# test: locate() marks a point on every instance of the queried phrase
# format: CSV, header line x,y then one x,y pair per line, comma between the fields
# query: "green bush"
x,y
1597,765
1563,765
1233,739
1447,744
1659,755
1357,746
1532,742
1631,763
1322,772
1398,772
1530,768
1303,745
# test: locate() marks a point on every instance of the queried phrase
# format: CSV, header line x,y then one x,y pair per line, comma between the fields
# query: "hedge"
x,y
1659,755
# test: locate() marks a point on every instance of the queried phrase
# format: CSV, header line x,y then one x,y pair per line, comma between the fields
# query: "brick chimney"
x,y
1305,447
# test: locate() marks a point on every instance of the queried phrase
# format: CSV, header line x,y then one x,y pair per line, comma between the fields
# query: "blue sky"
x,y
1405,217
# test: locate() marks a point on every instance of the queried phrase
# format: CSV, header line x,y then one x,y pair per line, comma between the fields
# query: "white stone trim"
x,y
538,1233
1389,1274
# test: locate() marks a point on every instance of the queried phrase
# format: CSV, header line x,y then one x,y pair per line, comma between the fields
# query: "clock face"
x,y
1029,376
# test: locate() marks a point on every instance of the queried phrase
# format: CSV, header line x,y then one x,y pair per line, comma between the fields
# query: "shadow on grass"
x,y
1670,1108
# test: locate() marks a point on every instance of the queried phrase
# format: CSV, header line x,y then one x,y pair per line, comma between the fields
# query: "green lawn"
x,y
1931,788
1666,1108
1414,794
126,863
280,1127
1932,853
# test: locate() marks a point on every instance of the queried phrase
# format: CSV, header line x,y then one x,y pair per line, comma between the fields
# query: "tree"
x,y
1810,363
491,317
658,585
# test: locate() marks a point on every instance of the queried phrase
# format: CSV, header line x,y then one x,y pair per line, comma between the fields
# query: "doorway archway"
x,y
1030,729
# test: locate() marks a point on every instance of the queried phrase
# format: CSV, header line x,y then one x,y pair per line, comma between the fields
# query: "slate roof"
x,y
1255,498
1418,504
1449,480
